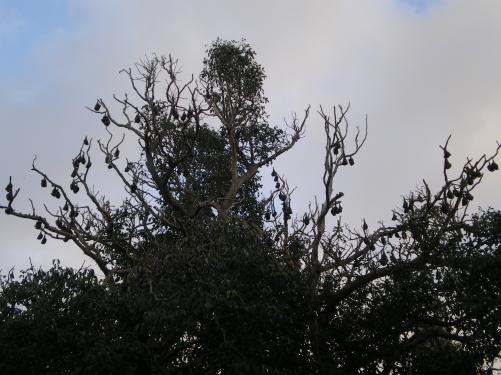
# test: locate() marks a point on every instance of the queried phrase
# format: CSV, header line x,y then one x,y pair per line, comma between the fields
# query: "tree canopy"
x,y
204,273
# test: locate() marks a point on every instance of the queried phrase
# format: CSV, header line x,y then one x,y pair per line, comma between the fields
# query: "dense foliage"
x,y
203,274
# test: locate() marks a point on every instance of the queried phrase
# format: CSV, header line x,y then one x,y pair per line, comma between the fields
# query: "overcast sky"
x,y
420,70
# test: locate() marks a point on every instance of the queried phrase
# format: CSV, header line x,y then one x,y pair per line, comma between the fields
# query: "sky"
x,y
419,69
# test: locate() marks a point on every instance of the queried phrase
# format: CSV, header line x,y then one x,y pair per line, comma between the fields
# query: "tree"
x,y
202,274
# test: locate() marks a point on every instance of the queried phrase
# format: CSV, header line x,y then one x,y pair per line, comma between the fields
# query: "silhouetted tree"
x,y
203,274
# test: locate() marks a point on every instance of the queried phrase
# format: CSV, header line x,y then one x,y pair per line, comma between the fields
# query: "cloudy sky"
x,y
420,70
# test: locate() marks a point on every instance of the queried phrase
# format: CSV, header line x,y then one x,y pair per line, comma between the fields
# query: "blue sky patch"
x,y
23,23
418,6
